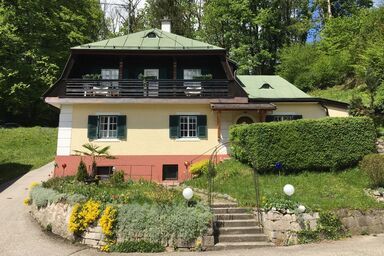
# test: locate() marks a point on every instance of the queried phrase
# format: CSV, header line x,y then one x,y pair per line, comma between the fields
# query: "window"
x,y
170,171
104,172
107,127
192,88
109,74
278,118
188,126
189,74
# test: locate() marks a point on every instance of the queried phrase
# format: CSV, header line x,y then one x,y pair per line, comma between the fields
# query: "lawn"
x,y
317,190
340,93
24,149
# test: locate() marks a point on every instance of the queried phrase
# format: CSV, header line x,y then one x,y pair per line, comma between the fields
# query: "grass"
x,y
142,192
340,93
24,149
316,190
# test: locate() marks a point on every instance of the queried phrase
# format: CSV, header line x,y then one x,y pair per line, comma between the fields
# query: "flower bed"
x,y
119,218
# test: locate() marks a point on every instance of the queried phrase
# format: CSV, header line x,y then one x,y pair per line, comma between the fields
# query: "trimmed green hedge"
x,y
307,144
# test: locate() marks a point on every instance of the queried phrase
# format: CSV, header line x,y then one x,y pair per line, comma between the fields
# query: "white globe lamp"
x,y
188,193
301,208
289,189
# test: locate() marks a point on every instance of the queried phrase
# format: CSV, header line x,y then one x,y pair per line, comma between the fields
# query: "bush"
x,y
117,178
160,224
83,215
82,173
322,144
137,246
41,197
373,165
200,167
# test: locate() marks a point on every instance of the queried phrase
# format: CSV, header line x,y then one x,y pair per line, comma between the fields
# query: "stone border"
x,y
55,217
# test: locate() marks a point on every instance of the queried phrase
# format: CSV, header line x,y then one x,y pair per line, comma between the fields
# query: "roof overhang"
x,y
249,106
307,100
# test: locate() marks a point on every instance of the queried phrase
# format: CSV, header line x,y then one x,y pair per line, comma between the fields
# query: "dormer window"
x,y
266,86
151,35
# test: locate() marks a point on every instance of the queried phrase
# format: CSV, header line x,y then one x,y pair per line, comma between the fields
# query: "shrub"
x,y
76,198
373,165
82,173
200,167
41,197
82,216
117,178
160,224
108,221
137,246
321,144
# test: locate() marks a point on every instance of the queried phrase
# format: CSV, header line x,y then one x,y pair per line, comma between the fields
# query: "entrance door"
x,y
151,88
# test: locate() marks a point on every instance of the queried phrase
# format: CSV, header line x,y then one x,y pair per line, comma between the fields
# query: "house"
x,y
162,101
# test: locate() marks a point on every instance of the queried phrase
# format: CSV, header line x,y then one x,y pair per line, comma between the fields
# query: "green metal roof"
x,y
143,41
270,87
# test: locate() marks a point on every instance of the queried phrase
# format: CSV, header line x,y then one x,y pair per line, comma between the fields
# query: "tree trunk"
x,y
329,8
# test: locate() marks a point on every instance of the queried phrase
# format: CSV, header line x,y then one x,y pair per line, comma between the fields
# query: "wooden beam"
x,y
263,115
227,70
218,120
174,74
69,66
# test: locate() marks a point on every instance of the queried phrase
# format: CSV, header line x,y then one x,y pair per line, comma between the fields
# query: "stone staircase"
x,y
236,228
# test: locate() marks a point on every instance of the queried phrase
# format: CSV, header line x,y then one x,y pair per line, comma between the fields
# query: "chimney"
x,y
166,24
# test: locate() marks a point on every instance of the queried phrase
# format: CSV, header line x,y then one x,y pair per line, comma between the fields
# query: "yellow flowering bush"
x,y
82,217
199,167
108,220
33,184
27,201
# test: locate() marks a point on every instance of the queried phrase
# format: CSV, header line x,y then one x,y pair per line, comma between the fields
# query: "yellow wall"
x,y
337,112
147,129
307,109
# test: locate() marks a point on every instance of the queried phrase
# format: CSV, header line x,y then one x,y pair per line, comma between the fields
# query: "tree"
x,y
132,18
36,36
254,31
94,152
182,13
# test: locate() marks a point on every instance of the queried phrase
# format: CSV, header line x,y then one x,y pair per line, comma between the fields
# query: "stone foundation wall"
x,y
55,217
360,222
281,228
380,146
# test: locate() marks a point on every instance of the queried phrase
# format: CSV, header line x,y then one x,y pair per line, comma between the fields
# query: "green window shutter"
x,y
92,127
202,126
174,123
296,117
121,127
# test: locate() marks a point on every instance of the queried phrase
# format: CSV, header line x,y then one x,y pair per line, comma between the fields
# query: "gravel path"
x,y
21,235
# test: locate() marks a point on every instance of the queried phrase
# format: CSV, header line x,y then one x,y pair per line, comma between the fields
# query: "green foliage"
x,y
24,149
137,246
329,227
41,197
160,224
373,166
141,192
322,144
75,198
82,173
315,190
280,204
199,167
253,31
117,178
36,36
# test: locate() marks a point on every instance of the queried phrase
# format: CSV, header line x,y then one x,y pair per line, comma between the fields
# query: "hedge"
x,y
321,144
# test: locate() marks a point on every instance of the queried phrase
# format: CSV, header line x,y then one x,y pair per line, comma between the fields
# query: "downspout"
x,y
325,107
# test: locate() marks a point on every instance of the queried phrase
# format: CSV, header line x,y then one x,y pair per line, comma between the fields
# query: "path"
x,y
21,235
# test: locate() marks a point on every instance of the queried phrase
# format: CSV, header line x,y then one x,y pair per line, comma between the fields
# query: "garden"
x,y
134,216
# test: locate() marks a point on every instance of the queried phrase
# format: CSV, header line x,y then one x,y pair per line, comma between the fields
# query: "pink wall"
x,y
134,167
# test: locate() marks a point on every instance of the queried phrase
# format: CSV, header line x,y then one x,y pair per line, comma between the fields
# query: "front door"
x,y
151,87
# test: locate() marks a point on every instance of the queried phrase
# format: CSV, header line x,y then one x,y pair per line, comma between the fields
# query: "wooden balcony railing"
x,y
143,89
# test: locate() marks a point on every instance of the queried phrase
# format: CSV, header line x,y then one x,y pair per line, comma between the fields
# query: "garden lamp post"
x,y
188,194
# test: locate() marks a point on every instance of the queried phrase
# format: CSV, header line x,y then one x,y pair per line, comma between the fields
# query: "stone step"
x,y
236,223
224,205
231,210
239,230
234,216
242,238
241,245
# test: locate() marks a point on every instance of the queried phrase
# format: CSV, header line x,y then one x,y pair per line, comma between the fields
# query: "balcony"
x,y
136,88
